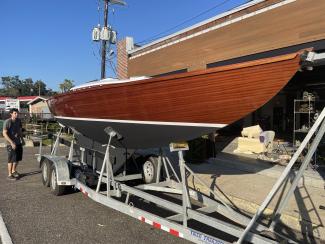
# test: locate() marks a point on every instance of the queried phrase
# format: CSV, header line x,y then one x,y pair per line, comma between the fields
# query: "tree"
x,y
66,85
39,88
50,92
27,87
13,86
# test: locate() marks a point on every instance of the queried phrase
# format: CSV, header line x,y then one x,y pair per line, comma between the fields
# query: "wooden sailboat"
x,y
153,112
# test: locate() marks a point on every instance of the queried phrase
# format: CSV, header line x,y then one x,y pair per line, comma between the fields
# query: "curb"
x,y
4,234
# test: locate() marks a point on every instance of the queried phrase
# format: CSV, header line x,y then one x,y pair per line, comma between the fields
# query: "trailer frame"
x,y
117,194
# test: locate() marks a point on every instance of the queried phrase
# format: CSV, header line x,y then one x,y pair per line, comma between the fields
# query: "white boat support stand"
x,y
109,168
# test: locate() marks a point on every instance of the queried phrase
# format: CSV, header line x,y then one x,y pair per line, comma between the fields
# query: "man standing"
x,y
12,132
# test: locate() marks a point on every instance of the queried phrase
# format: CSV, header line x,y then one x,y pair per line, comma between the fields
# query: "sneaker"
x,y
11,177
15,174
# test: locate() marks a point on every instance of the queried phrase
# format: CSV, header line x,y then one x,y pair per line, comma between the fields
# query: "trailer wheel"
x,y
149,170
55,188
46,170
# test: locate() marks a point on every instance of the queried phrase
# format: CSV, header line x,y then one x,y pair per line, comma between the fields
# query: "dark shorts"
x,y
16,155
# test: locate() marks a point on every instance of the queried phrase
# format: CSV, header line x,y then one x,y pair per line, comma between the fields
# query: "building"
x,y
38,107
257,29
23,102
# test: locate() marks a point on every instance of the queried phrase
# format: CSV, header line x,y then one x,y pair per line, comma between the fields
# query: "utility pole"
x,y
105,34
103,65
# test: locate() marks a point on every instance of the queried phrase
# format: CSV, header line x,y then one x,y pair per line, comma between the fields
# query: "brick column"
x,y
123,46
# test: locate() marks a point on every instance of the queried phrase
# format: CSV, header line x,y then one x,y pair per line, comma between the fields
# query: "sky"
x,y
51,40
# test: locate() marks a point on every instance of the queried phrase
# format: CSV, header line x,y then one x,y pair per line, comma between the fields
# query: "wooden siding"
x,y
40,107
295,23
212,23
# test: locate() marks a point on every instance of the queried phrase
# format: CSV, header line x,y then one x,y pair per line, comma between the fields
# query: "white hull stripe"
x,y
145,122
161,227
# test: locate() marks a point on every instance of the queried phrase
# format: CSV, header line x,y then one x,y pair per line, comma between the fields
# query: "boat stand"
x,y
195,207
177,223
178,220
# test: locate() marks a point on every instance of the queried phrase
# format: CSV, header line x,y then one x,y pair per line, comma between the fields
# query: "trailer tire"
x,y
46,170
149,170
56,189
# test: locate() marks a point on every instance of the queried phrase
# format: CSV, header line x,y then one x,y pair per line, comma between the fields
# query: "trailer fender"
x,y
60,163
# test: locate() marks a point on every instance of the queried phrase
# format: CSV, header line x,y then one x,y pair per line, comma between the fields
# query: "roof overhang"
x,y
36,99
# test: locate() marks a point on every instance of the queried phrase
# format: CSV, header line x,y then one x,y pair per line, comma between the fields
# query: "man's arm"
x,y
5,135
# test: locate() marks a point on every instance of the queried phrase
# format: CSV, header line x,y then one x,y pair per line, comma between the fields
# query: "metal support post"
x,y
159,169
172,168
109,173
124,166
283,176
82,149
40,149
109,168
56,144
103,166
70,157
185,195
165,167
295,182
94,161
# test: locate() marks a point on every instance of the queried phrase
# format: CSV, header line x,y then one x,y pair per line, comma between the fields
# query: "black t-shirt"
x,y
13,130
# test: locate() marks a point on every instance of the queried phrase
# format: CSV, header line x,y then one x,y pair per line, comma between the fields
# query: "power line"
x,y
182,23
113,67
99,15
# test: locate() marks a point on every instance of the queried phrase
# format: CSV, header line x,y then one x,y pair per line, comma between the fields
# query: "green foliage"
x,y
39,87
13,86
66,85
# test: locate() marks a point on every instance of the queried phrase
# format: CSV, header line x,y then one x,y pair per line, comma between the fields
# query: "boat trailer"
x,y
189,213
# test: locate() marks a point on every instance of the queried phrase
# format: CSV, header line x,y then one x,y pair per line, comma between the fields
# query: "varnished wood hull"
x,y
154,112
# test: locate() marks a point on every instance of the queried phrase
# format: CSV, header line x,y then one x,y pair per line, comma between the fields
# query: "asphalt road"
x,y
33,215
